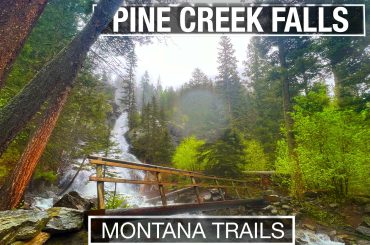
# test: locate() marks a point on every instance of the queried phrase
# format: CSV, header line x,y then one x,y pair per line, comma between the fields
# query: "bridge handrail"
x,y
153,168
157,170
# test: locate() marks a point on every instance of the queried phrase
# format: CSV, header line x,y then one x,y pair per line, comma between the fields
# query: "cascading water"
x,y
87,188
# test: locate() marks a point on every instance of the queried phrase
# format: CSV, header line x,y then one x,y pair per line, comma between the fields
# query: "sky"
x,y
175,58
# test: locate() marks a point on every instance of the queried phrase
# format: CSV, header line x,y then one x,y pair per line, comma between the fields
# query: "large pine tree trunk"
x,y
297,181
16,183
17,18
55,76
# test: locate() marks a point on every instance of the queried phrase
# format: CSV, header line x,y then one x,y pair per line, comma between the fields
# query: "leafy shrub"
x,y
115,201
186,154
332,147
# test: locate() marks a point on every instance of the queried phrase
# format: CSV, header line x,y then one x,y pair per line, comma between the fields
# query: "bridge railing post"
x,y
100,187
161,188
236,189
220,190
196,189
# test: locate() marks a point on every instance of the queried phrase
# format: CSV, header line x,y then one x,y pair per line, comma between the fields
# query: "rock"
x,y
21,225
332,234
276,203
363,230
269,192
64,220
217,198
207,197
333,205
272,198
269,207
75,201
286,207
309,226
274,211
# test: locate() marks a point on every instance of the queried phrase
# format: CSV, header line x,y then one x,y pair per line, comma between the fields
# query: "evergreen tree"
x,y
129,87
228,83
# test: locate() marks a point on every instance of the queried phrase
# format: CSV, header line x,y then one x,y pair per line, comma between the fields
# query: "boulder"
x,y
363,230
75,201
64,220
21,225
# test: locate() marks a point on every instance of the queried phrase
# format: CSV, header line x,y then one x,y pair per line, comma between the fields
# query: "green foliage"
x,y
332,147
48,176
151,141
113,201
186,154
255,158
225,156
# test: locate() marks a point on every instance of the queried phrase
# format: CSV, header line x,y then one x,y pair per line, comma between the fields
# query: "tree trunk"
x,y
16,183
297,181
17,18
55,76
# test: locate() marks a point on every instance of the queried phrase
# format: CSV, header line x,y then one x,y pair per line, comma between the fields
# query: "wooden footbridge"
x,y
167,177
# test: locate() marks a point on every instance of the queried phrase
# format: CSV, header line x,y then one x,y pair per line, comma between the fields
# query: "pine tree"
x,y
129,88
228,83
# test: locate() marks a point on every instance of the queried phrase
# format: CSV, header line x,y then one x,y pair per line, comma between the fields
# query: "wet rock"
x,y
75,201
64,220
21,225
363,230
332,234
272,198
274,211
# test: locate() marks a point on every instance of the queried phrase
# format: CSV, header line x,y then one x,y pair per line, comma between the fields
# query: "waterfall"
x,y
87,188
